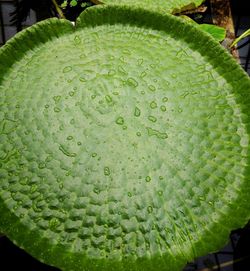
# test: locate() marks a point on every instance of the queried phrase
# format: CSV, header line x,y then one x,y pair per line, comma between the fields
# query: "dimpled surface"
x,y
123,147
164,6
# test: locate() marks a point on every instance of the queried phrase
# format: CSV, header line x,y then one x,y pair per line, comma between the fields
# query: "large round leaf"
x,y
163,6
124,142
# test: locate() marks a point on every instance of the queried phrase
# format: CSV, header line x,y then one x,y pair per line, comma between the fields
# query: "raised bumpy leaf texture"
x,y
123,146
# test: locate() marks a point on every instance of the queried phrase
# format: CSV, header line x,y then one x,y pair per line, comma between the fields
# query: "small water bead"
x,y
71,93
138,134
163,108
152,118
57,109
165,99
143,74
120,121
93,97
67,69
148,179
129,194
124,127
173,75
132,82
79,143
108,98
137,112
115,93
106,171
160,192
82,79
184,94
46,106
57,98
151,88
153,132
65,152
94,154
161,177
142,92
153,105
69,137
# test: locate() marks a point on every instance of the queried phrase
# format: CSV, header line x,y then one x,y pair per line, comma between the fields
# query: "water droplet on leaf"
x,y
120,121
132,82
137,112
67,69
106,171
152,118
153,105
163,108
151,88
148,179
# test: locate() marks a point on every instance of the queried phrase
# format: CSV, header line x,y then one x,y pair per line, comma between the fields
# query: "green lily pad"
x,y
169,6
124,142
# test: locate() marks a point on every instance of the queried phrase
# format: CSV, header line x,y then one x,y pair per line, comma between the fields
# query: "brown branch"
x,y
96,2
58,9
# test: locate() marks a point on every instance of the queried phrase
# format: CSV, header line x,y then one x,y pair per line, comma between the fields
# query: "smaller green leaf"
x,y
64,4
73,3
217,32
